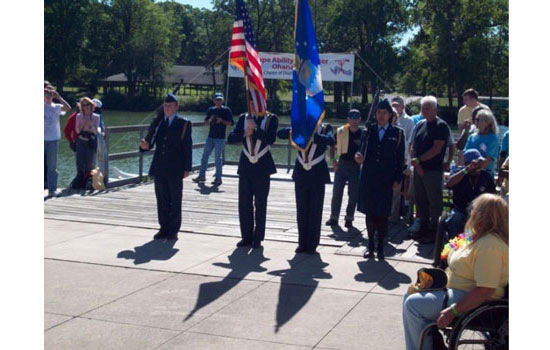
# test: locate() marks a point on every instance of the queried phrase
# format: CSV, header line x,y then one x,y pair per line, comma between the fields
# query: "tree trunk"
x,y
364,94
213,79
346,94
337,92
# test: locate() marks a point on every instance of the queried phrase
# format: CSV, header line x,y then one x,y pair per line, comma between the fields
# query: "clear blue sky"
x,y
197,3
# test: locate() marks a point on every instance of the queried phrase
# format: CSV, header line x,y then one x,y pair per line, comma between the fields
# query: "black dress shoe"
x,y
348,223
243,243
256,245
312,252
380,255
331,222
368,254
173,236
426,240
160,235
300,249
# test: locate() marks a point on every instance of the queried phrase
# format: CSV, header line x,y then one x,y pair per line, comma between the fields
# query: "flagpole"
x,y
252,145
227,84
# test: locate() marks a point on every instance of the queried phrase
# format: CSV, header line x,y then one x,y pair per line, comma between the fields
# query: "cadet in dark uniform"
x,y
171,164
256,165
310,176
382,169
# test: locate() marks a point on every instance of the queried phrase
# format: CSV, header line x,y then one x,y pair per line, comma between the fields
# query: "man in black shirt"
x,y
427,153
218,117
348,139
467,184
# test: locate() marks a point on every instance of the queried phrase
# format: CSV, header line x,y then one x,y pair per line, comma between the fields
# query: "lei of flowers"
x,y
456,243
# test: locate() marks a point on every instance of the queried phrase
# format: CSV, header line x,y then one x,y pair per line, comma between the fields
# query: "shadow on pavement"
x,y
382,273
351,234
203,189
241,263
156,249
292,297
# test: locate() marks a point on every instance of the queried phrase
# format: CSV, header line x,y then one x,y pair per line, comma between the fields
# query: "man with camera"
x,y
52,134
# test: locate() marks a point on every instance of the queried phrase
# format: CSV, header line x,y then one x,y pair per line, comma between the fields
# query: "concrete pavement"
x,y
113,287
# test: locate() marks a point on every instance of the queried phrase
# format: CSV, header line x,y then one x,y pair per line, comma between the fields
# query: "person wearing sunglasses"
x,y
86,127
485,139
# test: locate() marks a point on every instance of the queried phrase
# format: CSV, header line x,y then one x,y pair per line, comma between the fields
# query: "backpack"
x,y
70,128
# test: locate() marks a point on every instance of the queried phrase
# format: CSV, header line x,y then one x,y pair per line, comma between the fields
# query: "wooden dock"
x,y
214,211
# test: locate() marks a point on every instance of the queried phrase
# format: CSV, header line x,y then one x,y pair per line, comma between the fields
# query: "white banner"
x,y
334,66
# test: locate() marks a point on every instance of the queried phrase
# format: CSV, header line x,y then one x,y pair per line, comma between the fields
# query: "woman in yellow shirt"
x,y
477,272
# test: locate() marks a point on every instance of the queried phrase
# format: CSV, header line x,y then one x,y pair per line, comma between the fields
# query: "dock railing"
x,y
142,129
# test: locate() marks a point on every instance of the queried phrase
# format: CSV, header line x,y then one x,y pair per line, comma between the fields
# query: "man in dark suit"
x,y
256,165
171,164
381,173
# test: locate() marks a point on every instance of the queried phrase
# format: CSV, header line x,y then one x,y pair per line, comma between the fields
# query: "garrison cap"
x,y
171,98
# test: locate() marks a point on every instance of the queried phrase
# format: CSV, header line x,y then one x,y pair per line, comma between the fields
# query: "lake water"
x,y
128,142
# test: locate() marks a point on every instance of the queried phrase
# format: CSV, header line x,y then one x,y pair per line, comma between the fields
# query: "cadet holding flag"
x,y
256,130
257,134
308,135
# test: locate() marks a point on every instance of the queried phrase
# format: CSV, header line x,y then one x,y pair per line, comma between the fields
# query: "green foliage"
x,y
65,25
458,44
462,43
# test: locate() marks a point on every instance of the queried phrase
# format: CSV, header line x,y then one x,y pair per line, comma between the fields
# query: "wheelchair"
x,y
483,328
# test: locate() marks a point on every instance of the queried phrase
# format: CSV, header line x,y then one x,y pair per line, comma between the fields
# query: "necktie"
x,y
381,132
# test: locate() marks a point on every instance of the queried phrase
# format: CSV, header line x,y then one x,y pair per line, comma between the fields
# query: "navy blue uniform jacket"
x,y
265,165
173,152
383,165
319,173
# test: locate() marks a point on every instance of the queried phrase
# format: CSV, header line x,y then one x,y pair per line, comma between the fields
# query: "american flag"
x,y
244,55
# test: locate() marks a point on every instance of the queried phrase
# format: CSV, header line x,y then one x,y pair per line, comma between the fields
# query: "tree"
x,y
65,24
470,38
370,27
148,39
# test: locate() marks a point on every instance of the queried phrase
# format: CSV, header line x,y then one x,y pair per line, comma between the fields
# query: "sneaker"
x,y
53,193
199,179
415,227
217,182
331,222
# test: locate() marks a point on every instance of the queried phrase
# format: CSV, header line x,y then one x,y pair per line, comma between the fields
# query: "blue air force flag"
x,y
308,100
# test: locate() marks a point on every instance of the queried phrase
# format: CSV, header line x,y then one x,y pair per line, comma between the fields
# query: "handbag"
x,y
428,279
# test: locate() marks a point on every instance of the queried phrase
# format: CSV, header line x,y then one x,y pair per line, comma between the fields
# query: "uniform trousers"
x,y
309,211
376,224
253,192
168,191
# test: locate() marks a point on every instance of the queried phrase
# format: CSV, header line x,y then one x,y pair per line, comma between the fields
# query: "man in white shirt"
x,y
52,134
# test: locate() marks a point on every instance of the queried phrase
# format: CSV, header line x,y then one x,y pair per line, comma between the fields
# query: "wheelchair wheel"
x,y
485,328
440,238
